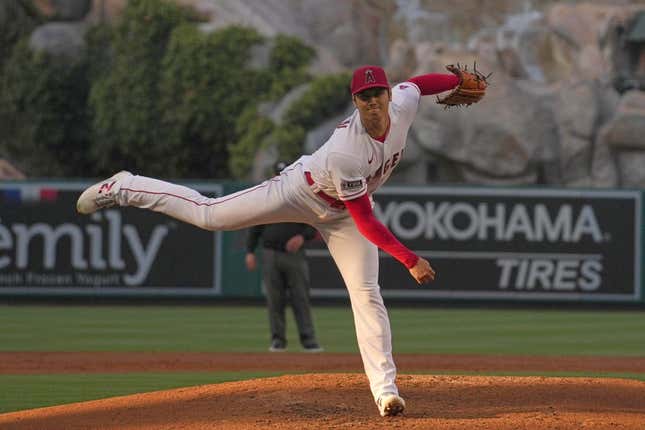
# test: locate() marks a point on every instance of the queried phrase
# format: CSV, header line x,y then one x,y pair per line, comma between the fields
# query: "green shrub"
x,y
253,129
152,94
285,81
99,51
289,53
205,86
327,95
287,65
43,112
125,99
17,19
288,140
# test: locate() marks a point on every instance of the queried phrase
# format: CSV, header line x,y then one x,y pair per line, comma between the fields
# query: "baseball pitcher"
x,y
331,190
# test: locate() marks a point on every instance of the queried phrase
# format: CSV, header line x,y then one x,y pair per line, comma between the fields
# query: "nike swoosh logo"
x,y
369,161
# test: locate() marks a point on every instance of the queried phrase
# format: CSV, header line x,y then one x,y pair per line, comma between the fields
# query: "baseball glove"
x,y
471,88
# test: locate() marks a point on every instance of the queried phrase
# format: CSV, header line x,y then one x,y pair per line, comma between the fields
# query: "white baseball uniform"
x,y
347,166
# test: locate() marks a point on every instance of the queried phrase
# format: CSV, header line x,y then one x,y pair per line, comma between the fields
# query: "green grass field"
x,y
240,329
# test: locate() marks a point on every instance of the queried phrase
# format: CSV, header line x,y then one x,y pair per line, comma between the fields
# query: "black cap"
x,y
279,167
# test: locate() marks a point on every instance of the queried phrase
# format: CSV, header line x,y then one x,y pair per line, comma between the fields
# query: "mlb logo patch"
x,y
351,185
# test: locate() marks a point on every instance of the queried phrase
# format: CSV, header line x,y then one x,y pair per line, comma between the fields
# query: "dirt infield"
x,y
342,400
107,362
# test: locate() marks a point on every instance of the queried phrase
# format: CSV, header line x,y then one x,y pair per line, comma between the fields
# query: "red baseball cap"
x,y
368,77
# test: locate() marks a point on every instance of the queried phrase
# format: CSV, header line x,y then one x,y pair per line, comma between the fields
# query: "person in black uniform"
x,y
286,277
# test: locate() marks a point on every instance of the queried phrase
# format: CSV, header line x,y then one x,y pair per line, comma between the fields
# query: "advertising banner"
x,y
47,248
507,244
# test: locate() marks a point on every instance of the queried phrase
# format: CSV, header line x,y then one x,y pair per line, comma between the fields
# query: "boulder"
x,y
504,139
550,115
325,63
604,170
529,49
317,136
421,24
630,165
416,161
592,64
325,25
583,23
595,29
470,175
627,128
402,61
632,101
65,39
575,108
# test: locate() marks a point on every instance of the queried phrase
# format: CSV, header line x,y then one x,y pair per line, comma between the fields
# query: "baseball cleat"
x,y
390,404
101,195
278,346
313,347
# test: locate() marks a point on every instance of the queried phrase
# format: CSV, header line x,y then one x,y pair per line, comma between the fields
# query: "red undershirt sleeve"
x,y
369,226
435,83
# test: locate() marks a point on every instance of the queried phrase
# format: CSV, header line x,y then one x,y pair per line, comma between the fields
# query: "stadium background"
x,y
536,319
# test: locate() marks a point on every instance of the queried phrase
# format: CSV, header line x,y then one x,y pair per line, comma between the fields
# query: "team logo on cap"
x,y
369,77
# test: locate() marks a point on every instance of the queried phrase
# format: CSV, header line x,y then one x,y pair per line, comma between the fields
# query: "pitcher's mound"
x,y
322,401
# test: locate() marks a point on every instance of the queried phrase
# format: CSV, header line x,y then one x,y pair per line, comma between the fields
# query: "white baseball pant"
x,y
289,198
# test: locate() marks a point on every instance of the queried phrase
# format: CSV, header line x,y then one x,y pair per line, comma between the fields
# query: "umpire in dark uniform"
x,y
286,277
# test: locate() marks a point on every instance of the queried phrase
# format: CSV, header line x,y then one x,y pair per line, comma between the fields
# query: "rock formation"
x,y
559,110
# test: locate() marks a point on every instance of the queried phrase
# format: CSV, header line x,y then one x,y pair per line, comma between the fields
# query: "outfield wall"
x,y
485,243
496,243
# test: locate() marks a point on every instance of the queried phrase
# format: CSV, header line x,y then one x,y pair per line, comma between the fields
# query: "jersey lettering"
x,y
374,176
395,158
387,166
